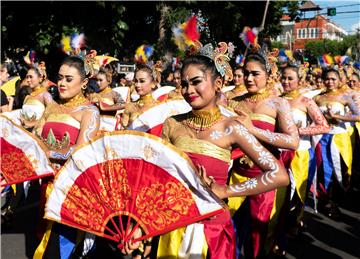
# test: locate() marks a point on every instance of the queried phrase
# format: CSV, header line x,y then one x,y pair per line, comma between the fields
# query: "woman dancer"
x,y
335,146
63,127
107,100
34,104
208,138
268,118
145,82
310,121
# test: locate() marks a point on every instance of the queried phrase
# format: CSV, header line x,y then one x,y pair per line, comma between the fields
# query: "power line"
x,y
342,18
343,12
348,12
340,6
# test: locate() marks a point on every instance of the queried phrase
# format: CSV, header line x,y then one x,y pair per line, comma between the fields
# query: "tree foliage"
x,y
277,44
334,47
119,27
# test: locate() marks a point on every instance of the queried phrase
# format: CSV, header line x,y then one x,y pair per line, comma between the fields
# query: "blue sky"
x,y
348,21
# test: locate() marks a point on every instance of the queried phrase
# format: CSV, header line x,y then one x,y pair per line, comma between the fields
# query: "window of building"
x,y
302,33
313,33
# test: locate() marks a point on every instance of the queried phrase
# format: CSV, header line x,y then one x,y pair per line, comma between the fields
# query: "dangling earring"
x,y
84,87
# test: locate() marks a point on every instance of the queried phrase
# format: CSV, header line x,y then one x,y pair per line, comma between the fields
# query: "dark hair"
x,y
107,72
22,72
77,63
23,92
11,68
37,71
292,68
177,70
356,75
239,68
330,70
145,68
255,57
204,62
165,74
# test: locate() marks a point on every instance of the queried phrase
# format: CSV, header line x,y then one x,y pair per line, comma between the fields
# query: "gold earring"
x,y
84,87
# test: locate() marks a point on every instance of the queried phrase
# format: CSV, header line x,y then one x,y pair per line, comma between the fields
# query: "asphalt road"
x,y
323,238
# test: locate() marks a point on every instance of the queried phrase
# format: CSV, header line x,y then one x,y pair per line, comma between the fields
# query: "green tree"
x,y
315,48
227,24
118,28
334,47
277,44
41,25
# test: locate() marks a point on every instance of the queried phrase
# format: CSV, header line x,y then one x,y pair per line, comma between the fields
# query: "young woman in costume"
x,y
145,82
238,80
269,119
34,104
334,148
310,121
107,100
208,138
63,127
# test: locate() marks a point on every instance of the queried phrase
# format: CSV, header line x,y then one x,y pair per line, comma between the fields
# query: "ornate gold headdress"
x,y
41,68
157,68
263,54
89,60
220,57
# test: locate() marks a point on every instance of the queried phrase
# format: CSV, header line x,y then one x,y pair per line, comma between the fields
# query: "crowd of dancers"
x,y
267,139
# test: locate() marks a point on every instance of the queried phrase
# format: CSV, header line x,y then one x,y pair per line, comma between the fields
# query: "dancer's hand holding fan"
x,y
121,181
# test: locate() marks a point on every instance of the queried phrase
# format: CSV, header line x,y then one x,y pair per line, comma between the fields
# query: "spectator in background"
x,y
167,78
122,80
7,71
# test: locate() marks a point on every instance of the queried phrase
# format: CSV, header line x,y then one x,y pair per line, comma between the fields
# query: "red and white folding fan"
x,y
107,123
124,180
151,120
13,115
162,92
22,155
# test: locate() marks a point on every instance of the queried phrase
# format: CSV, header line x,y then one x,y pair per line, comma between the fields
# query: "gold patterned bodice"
x,y
203,147
262,117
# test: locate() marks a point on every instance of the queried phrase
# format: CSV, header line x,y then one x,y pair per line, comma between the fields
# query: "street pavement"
x,y
323,238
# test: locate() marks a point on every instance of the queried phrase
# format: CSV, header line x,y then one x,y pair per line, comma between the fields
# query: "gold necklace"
x,y
201,120
239,89
344,88
334,92
259,96
38,90
106,90
292,94
146,99
77,100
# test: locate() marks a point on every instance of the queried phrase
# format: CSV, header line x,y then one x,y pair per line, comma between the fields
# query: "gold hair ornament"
x,y
220,57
